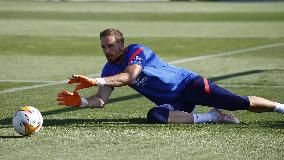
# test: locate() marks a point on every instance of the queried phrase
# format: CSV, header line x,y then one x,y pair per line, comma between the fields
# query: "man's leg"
x,y
181,117
166,115
171,112
158,115
213,116
205,92
258,104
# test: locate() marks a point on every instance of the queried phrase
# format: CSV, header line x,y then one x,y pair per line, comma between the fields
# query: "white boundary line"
x,y
32,87
40,85
227,53
26,81
172,62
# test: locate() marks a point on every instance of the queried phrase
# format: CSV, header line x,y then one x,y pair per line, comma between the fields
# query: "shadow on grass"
x,y
7,123
270,124
65,122
239,74
245,73
11,137
125,121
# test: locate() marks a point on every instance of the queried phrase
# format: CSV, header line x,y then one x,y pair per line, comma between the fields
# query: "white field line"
x,y
40,85
26,81
172,62
227,53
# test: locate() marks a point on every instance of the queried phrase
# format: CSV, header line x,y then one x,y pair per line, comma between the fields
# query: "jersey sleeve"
x,y
106,72
136,56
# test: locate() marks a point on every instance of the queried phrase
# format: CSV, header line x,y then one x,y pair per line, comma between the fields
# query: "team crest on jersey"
x,y
137,59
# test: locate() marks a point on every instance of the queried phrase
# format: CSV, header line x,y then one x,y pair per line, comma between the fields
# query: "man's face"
x,y
112,48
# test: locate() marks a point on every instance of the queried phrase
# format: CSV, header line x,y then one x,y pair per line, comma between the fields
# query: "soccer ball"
x,y
27,121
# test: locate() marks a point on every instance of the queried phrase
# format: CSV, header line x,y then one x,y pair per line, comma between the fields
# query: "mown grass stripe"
x,y
134,16
144,28
145,7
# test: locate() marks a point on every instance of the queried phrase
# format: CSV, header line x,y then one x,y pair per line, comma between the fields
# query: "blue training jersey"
x,y
159,81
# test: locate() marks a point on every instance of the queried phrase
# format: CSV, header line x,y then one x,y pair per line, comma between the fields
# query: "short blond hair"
x,y
111,31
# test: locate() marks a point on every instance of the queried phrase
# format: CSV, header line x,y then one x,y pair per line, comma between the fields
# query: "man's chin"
x,y
116,60
112,61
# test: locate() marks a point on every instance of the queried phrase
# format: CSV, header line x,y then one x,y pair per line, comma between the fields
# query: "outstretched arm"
x,y
126,77
105,84
101,98
74,99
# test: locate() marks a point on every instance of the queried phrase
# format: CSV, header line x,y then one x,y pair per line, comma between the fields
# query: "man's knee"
x,y
158,115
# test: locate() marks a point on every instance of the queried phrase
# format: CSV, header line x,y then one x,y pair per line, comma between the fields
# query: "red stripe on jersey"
x,y
135,54
206,86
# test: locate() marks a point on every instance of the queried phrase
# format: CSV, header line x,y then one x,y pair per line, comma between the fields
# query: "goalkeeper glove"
x,y
69,99
84,82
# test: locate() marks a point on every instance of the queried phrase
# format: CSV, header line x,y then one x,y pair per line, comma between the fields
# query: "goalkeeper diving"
x,y
174,91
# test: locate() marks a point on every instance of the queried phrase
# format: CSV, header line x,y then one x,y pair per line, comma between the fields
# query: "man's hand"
x,y
84,82
69,99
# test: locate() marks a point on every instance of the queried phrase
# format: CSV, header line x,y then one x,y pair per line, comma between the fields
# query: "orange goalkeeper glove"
x,y
84,82
69,99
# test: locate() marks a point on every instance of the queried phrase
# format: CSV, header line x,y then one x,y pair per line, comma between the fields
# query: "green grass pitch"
x,y
45,42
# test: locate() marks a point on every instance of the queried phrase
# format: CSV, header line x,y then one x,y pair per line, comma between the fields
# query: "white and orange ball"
x,y
27,121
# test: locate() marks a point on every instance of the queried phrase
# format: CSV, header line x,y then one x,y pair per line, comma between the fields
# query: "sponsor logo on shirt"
x,y
140,81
